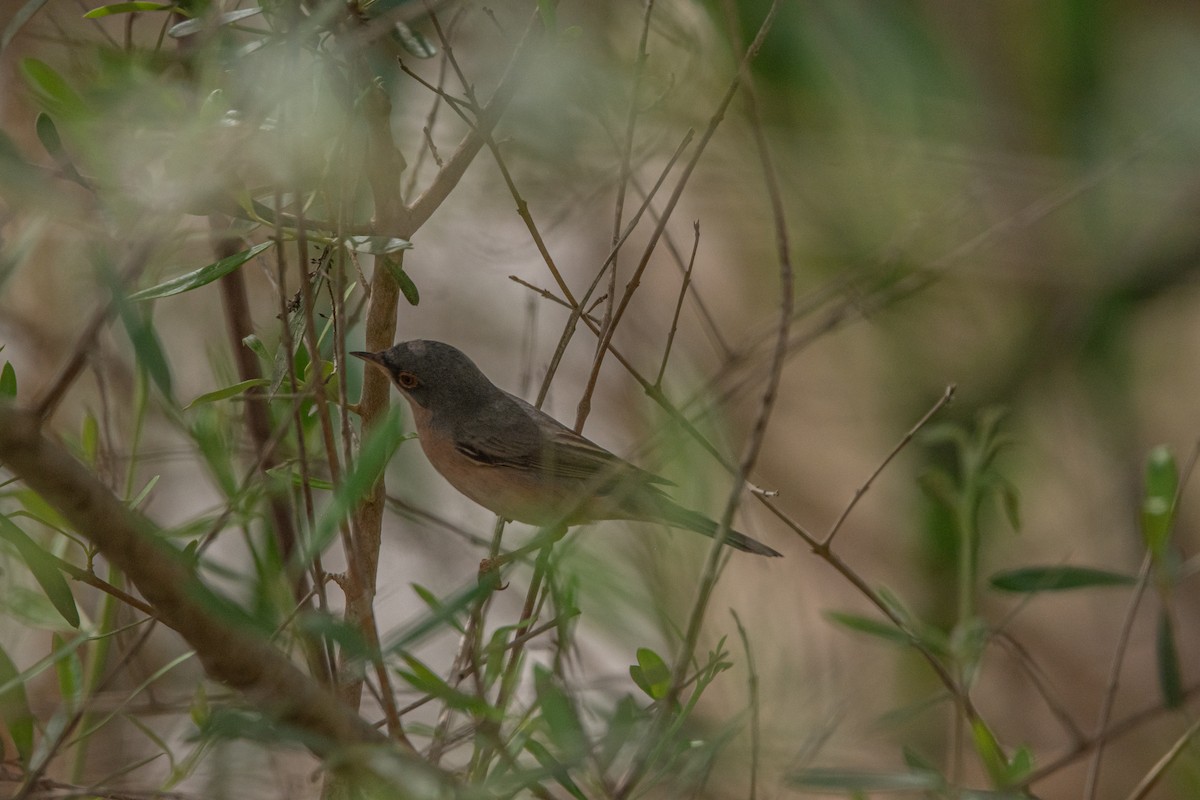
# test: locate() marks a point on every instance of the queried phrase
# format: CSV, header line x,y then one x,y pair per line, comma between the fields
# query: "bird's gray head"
x,y
432,374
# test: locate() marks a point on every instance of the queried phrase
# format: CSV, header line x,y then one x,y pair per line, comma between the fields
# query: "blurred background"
x,y
993,195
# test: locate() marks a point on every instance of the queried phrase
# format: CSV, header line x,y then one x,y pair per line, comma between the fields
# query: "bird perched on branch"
x,y
520,462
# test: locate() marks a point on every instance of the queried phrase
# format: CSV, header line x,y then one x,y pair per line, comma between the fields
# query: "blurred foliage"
x,y
997,194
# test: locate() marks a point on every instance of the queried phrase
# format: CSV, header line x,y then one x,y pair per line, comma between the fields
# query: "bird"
x,y
518,461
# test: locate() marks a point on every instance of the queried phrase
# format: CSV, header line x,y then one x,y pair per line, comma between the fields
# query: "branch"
x,y
232,655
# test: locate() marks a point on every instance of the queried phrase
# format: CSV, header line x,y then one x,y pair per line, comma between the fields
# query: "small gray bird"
x,y
520,462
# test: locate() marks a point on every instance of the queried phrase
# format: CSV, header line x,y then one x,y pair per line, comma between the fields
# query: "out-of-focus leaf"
x,y
51,90
651,673
989,751
200,277
348,636
446,611
227,392
426,680
886,631
126,8
8,381
377,449
70,675
413,41
1057,579
861,781
190,26
377,245
1158,505
23,15
142,334
44,568
555,767
89,437
566,731
1170,674
14,707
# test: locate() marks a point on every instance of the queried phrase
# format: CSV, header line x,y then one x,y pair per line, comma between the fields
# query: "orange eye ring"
x,y
406,380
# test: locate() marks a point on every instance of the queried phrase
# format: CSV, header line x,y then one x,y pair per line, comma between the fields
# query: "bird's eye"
x,y
407,380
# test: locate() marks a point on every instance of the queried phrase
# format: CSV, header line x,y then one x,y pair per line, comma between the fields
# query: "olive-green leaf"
x,y
228,391
1057,579
407,287
126,8
14,707
848,781
51,89
44,568
200,277
1170,674
8,381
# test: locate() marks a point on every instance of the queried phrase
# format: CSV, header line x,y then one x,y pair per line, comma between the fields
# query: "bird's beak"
x,y
374,358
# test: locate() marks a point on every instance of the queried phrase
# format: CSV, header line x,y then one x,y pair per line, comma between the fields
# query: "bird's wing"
x,y
530,439
566,454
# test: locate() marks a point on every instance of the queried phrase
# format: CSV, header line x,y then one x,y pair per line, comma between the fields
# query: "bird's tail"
x,y
695,521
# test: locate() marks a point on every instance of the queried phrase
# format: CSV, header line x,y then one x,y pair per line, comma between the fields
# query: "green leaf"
x,y
566,731
407,287
1057,579
139,327
44,568
347,636
51,90
1158,506
555,767
70,674
859,781
14,707
424,679
227,392
377,449
200,277
989,751
546,11
651,673
872,627
1170,676
190,26
8,381
126,8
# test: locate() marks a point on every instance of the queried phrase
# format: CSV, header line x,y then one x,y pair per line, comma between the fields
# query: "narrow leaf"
x,y
1057,579
407,287
126,8
14,707
377,245
858,781
8,381
227,392
51,89
377,449
44,568
872,627
1158,506
1170,675
190,26
555,767
566,731
200,277
23,15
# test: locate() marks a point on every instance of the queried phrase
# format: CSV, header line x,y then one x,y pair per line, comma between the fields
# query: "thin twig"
x,y
946,397
683,287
